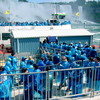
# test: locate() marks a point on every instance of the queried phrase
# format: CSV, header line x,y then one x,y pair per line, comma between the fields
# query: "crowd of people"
x,y
54,56
36,23
67,55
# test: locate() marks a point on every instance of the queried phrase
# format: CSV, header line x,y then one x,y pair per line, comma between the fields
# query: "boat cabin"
x,y
57,18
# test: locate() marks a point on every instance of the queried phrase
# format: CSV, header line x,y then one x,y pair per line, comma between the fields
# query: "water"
x,y
23,11
93,28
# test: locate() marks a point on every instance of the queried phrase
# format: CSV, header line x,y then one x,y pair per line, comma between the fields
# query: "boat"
x,y
55,28
57,21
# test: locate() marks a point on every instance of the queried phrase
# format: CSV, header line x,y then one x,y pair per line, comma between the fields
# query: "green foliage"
x,y
80,2
92,3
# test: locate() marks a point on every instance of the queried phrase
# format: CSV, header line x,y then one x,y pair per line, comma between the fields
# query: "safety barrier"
x,y
23,86
52,84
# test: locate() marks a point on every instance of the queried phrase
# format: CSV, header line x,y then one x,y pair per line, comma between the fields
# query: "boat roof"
x,y
53,32
63,14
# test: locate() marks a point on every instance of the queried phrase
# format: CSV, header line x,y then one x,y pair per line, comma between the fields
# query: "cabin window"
x,y
61,17
5,36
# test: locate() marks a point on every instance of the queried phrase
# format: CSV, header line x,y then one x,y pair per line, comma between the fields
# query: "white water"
x,y
23,11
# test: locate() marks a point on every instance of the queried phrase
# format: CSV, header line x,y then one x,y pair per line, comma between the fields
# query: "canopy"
x,y
59,14
52,32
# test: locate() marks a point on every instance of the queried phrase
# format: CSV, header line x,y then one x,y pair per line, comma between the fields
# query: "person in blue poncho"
x,y
72,64
41,64
30,66
68,55
64,74
73,51
30,63
14,65
27,81
37,79
83,56
63,46
90,73
77,80
50,64
23,63
30,59
77,56
45,56
14,62
86,44
87,50
97,74
8,66
4,85
8,69
84,60
75,45
69,47
93,52
78,51
56,58
48,79
80,45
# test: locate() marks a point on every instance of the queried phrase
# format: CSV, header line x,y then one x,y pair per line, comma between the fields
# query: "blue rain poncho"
x,y
14,63
56,58
4,86
47,84
70,72
41,65
8,67
72,63
37,79
83,57
80,45
50,64
77,80
63,74
73,51
27,81
30,64
75,45
8,70
64,65
88,51
44,55
93,53
78,52
23,63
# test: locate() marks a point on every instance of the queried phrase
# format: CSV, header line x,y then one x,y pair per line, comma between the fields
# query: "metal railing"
x,y
52,84
23,86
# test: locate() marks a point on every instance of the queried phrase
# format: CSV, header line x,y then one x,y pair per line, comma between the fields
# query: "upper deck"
x,y
7,27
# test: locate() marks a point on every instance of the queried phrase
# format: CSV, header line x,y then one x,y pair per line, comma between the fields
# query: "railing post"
x,y
47,86
94,79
